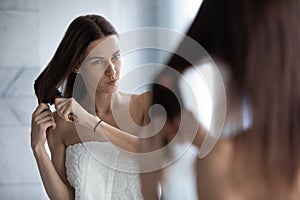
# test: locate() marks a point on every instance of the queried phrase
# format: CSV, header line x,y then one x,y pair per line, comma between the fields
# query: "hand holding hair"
x,y
42,119
70,110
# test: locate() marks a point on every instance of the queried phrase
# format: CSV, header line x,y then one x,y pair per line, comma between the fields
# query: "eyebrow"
x,y
97,57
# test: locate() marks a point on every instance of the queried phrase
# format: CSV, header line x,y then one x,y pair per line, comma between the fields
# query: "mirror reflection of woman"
x,y
90,52
257,43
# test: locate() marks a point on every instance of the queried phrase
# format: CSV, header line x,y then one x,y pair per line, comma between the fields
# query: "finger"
x,y
60,104
61,107
67,108
44,119
68,116
47,124
72,117
64,113
61,114
41,107
75,118
43,114
59,100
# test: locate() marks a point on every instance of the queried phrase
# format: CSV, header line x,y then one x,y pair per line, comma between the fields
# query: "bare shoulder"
x,y
56,137
216,167
143,100
62,133
139,107
219,159
223,147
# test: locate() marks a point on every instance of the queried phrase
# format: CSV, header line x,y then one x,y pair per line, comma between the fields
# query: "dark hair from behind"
x,y
259,41
69,54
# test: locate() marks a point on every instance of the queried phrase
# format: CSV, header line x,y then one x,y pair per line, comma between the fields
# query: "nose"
x,y
110,69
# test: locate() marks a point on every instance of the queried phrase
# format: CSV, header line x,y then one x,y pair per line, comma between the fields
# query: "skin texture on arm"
x,y
51,172
58,154
55,187
116,136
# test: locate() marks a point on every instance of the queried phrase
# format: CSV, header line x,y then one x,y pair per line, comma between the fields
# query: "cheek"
x,y
92,77
91,72
118,68
118,63
101,78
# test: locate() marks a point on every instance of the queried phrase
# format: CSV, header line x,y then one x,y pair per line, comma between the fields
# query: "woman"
x,y
83,164
257,45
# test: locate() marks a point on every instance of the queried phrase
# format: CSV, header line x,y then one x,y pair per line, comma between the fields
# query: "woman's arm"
x,y
50,172
139,106
123,140
118,137
150,185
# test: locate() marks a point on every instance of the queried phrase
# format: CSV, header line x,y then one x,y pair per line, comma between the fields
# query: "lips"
x,y
112,81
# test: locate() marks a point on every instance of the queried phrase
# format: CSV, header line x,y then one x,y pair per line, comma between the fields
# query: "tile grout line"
x,y
4,94
16,115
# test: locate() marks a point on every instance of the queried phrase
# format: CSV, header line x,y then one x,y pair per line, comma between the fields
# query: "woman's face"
x,y
101,68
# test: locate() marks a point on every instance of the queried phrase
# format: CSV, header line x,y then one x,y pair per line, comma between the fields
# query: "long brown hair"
x,y
260,43
69,54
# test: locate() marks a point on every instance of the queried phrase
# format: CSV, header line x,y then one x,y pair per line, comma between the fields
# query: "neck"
x,y
103,103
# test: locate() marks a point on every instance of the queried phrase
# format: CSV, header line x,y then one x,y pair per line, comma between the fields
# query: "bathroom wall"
x,y
19,65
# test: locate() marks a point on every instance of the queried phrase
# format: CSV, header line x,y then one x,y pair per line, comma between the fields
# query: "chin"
x,y
107,89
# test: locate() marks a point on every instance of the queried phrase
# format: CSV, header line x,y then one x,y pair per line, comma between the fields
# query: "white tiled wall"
x,y
19,65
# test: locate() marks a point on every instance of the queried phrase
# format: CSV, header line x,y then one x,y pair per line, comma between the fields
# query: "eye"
x,y
97,62
116,57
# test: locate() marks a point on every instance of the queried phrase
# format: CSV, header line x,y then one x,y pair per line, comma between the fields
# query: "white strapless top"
x,y
92,169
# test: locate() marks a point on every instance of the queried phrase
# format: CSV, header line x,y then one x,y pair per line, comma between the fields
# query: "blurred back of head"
x,y
259,41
